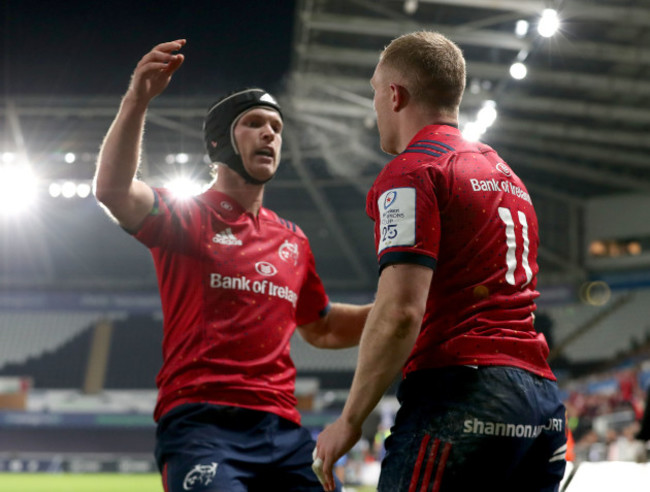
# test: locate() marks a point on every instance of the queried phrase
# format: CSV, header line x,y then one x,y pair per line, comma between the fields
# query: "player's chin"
x,y
263,173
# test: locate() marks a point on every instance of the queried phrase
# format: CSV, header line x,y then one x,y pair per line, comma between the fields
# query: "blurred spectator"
x,y
626,447
644,431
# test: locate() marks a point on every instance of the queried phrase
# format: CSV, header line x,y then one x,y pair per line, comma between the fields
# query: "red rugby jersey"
x,y
233,288
457,207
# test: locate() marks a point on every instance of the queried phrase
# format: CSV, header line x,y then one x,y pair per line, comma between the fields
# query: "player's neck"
x,y
414,121
249,196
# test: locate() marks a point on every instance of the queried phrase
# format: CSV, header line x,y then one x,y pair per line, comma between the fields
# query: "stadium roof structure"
x,y
575,128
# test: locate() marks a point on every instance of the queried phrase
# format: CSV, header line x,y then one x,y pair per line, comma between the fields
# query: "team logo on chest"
x,y
200,476
288,252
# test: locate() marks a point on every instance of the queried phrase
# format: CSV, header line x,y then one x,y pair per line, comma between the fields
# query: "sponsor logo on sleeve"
x,y
389,199
396,218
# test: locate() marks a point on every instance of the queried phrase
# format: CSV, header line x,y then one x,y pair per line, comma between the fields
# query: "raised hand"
x,y
155,70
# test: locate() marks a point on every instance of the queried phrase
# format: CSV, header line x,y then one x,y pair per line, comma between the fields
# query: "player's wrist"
x,y
135,102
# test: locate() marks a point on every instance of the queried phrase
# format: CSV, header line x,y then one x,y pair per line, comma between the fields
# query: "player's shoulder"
x,y
172,201
433,146
273,220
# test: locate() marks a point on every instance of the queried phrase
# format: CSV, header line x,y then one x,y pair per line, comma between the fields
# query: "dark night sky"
x,y
73,47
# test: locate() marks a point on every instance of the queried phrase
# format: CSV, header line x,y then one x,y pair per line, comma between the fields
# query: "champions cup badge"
x,y
200,475
390,198
288,252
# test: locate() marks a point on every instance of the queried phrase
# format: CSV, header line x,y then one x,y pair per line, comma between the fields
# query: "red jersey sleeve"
x,y
404,206
313,302
164,225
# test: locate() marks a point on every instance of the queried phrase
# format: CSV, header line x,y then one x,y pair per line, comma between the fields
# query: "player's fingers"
x,y
163,53
317,467
170,46
174,63
327,473
154,57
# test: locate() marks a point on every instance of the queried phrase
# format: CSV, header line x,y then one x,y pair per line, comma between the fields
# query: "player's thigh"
x,y
543,466
202,471
440,461
290,469
203,448
472,433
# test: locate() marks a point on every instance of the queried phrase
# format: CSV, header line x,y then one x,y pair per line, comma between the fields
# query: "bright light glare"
x,y
184,187
17,189
68,189
549,23
521,28
8,157
70,157
410,6
55,190
473,131
182,158
518,71
83,190
487,114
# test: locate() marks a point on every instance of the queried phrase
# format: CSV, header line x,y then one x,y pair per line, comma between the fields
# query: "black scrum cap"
x,y
219,125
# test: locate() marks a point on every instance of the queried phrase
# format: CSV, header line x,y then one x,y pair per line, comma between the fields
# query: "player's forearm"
x,y
120,152
386,343
345,324
341,328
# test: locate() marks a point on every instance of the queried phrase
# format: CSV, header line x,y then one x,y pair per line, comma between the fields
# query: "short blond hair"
x,y
433,67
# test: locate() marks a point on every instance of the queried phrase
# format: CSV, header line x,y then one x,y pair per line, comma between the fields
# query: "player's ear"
x,y
399,97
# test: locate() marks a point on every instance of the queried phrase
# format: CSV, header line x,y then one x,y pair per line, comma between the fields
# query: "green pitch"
x,y
63,482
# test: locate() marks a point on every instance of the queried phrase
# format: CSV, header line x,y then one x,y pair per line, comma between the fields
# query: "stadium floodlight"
x,y
487,114
472,131
68,189
55,190
518,71
521,28
182,158
410,6
83,190
184,187
18,186
70,157
549,23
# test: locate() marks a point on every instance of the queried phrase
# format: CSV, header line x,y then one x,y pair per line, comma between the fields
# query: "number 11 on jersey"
x,y
511,243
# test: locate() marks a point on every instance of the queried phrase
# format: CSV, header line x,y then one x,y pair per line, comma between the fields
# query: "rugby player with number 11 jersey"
x,y
456,239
